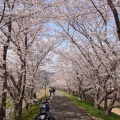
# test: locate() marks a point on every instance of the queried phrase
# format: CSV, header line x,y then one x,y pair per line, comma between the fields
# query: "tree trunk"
x,y
23,78
82,96
105,103
1,113
27,106
18,104
116,16
18,109
97,106
4,68
97,99
108,111
32,95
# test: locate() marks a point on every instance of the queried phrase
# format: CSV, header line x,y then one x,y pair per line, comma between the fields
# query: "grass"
x,y
89,107
9,105
32,112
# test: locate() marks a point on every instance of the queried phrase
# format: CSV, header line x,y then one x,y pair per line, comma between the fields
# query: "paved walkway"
x,y
64,109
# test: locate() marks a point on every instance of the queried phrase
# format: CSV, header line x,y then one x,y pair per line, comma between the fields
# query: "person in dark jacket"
x,y
50,91
53,91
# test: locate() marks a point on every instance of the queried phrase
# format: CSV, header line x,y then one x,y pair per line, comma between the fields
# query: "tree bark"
x,y
96,98
105,102
108,111
116,16
17,110
96,106
109,108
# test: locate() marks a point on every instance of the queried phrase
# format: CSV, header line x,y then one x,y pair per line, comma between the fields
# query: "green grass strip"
x,y
32,112
89,107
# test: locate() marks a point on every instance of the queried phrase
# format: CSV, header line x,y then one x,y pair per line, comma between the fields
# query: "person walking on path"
x,y
50,91
53,91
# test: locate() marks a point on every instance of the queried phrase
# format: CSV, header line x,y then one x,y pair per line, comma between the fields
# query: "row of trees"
x,y
24,46
91,63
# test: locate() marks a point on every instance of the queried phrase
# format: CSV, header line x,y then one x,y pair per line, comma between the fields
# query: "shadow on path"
x,y
64,109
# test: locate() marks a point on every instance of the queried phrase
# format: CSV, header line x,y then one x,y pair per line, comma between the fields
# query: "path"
x,y
64,109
